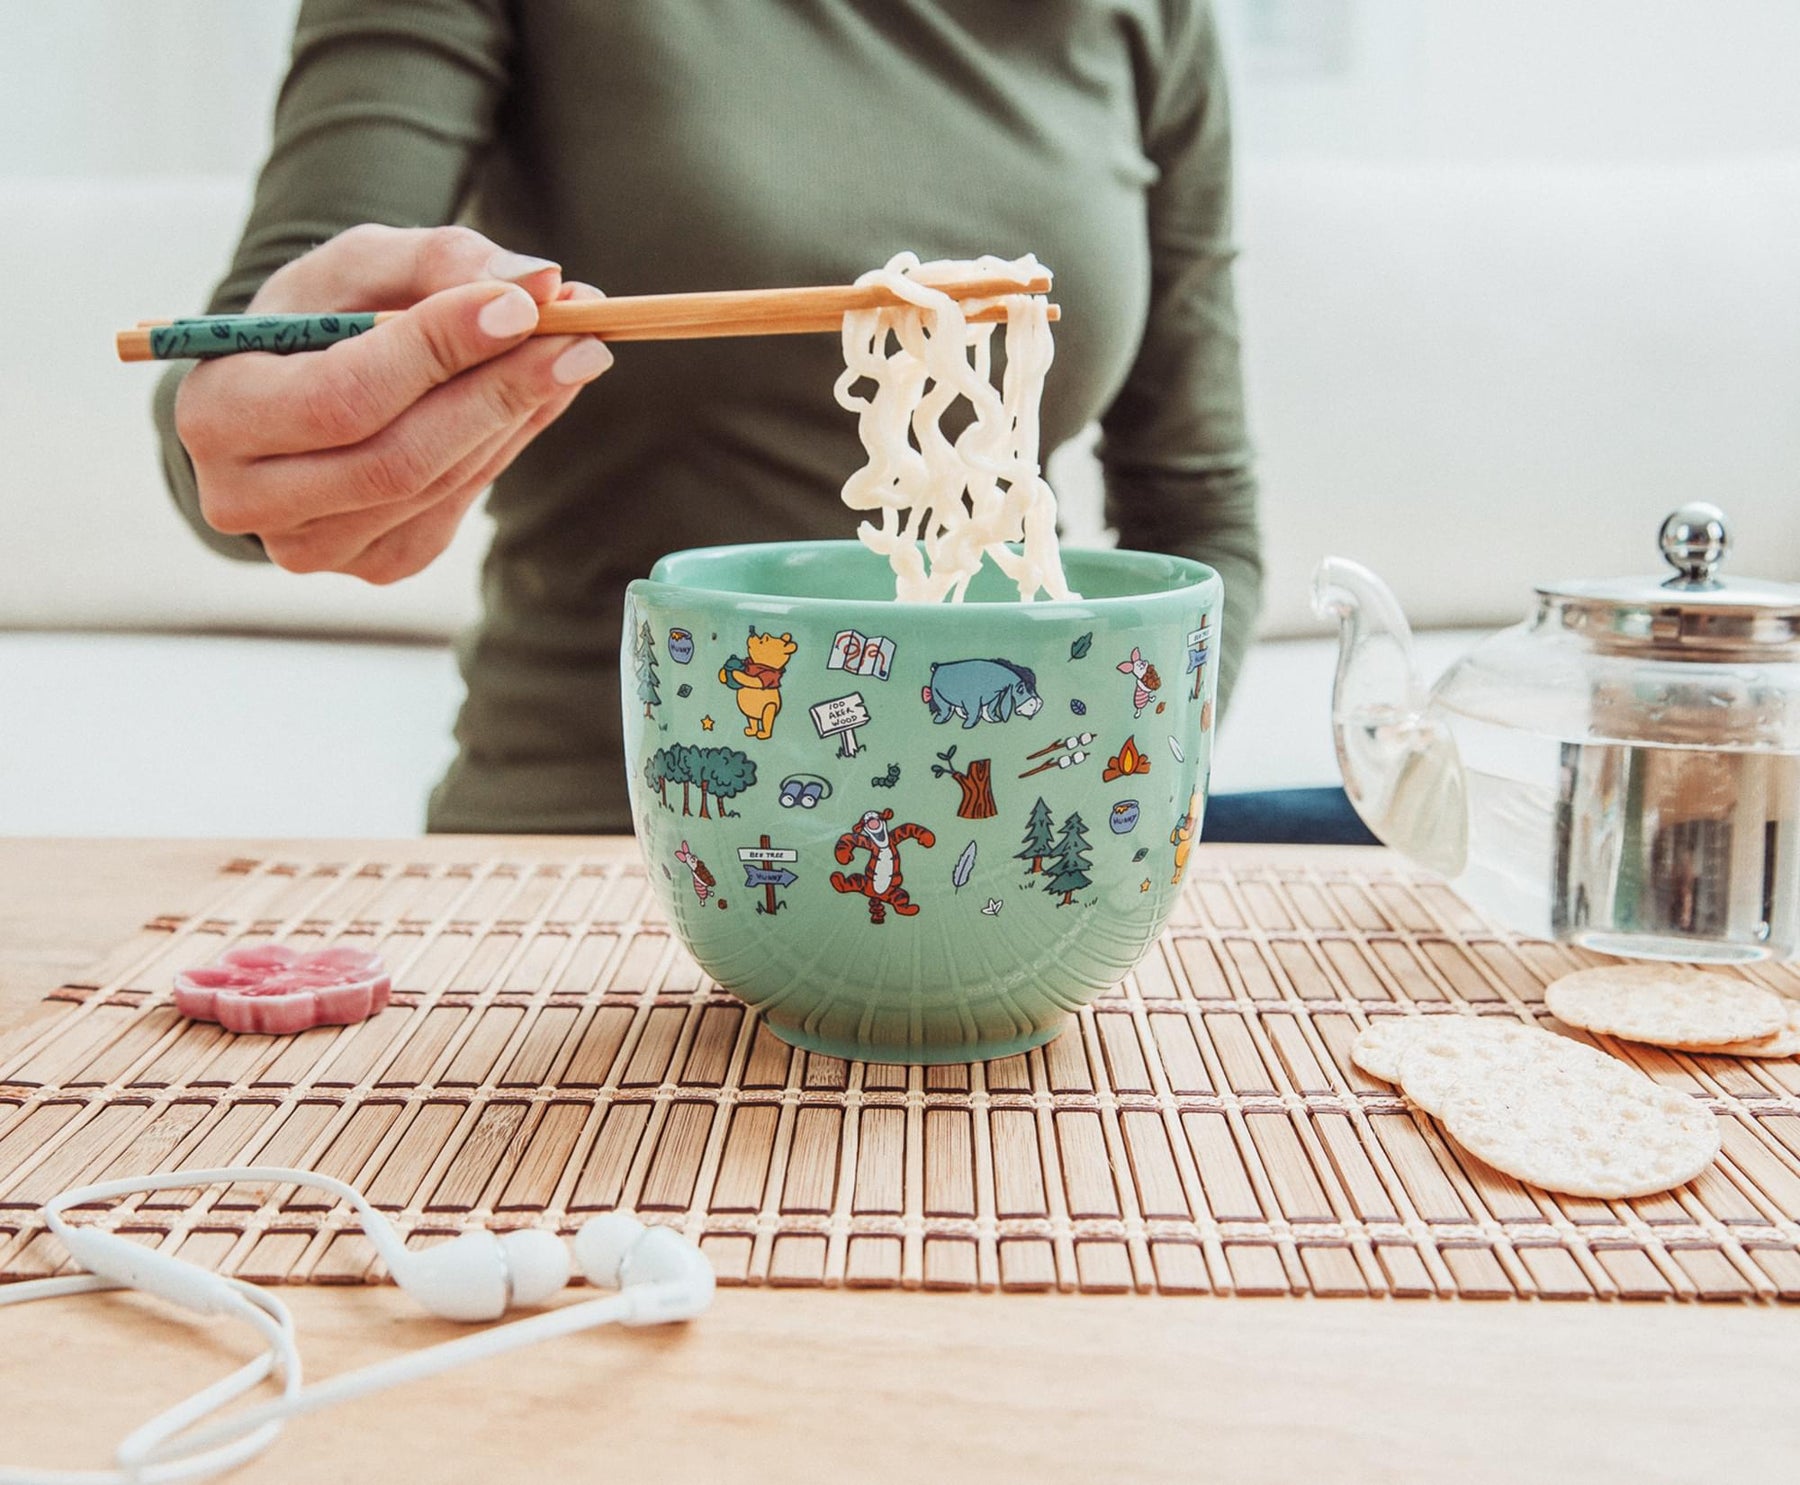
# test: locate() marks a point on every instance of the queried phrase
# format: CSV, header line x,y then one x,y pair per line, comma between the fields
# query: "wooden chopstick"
x,y
802,311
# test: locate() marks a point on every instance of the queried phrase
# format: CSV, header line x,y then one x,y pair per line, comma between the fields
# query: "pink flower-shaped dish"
x,y
271,988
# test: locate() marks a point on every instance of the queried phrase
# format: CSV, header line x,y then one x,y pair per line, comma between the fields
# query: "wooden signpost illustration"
x,y
839,718
1196,654
763,868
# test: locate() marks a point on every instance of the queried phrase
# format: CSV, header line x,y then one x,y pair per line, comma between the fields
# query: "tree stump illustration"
x,y
976,784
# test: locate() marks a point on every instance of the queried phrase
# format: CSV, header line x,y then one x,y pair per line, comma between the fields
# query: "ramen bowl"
x,y
916,832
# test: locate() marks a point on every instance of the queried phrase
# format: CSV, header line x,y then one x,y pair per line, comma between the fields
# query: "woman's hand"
x,y
363,457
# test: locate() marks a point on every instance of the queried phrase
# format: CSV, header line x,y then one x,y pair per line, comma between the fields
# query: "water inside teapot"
x,y
1640,848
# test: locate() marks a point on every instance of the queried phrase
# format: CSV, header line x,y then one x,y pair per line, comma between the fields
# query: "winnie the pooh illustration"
x,y
756,677
1182,836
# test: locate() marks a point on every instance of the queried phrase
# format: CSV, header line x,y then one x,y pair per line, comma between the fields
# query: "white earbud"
x,y
463,1279
479,1275
538,1262
601,1246
660,1275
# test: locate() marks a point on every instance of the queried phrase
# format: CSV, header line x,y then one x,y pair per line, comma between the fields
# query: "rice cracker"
x,y
1379,1048
1378,1045
1667,1005
1440,1062
1584,1132
1785,1043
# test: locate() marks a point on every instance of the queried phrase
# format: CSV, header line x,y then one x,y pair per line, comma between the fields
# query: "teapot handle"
x,y
1400,763
1375,664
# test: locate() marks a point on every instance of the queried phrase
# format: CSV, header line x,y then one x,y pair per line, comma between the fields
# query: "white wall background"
x,y
183,87
124,87
1497,80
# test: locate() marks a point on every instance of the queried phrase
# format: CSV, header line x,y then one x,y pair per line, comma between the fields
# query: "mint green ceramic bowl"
x,y
916,832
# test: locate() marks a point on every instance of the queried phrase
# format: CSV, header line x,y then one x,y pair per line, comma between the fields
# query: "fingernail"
x,y
516,265
582,362
510,312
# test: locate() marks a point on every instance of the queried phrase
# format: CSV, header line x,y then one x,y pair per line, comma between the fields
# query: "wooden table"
x,y
873,1386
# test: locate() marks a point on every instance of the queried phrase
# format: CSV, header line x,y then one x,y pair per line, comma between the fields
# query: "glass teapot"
x,y
1621,770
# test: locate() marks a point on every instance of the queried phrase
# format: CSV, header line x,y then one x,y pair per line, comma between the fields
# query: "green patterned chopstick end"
x,y
226,335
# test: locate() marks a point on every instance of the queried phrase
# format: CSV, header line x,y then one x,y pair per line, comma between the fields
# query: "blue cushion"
x,y
1314,817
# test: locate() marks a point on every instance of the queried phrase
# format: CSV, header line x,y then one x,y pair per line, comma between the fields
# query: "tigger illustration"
x,y
704,881
1144,680
880,881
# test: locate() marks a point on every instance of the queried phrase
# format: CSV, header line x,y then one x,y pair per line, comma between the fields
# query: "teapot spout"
x,y
1400,763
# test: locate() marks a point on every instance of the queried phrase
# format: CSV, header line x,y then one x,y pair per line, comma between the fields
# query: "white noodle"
x,y
944,506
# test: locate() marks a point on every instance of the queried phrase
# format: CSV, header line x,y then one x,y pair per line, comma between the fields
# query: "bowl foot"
x,y
853,1050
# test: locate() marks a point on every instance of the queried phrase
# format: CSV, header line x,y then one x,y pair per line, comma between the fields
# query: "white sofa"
x,y
1469,376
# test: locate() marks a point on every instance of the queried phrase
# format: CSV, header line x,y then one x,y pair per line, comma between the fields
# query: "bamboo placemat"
x,y
552,1052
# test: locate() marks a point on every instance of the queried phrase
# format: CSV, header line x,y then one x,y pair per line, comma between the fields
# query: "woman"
x,y
670,147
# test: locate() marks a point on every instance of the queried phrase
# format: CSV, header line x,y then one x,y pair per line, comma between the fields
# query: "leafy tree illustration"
x,y
681,771
1040,833
644,656
658,770
1069,871
732,773
703,765
718,773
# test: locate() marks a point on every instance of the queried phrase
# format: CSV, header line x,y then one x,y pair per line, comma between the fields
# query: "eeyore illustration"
x,y
981,691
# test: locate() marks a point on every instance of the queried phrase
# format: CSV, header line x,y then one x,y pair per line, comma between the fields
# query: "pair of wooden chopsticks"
x,y
635,317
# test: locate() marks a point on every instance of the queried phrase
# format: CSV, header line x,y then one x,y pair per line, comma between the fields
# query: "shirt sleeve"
x,y
385,110
1173,448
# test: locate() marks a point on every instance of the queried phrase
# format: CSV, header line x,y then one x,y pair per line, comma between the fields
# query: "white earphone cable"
x,y
172,1447
266,1314
381,1375
381,1234
276,1323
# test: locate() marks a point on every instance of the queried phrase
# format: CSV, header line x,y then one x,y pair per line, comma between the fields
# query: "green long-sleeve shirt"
x,y
702,144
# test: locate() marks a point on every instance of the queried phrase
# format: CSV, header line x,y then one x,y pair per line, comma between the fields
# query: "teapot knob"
x,y
1694,542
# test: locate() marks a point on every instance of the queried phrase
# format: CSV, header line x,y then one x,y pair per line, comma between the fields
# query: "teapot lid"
x,y
1692,613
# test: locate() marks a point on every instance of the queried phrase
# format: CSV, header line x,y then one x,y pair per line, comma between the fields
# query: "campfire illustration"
x,y
1129,760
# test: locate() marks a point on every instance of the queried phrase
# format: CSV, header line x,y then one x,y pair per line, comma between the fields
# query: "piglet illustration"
x,y
703,879
1144,680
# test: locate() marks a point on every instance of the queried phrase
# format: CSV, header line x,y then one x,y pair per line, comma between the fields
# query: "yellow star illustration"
x,y
706,724
1145,887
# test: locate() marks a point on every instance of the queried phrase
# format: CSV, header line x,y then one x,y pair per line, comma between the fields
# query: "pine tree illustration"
x,y
645,669
1068,872
1040,833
